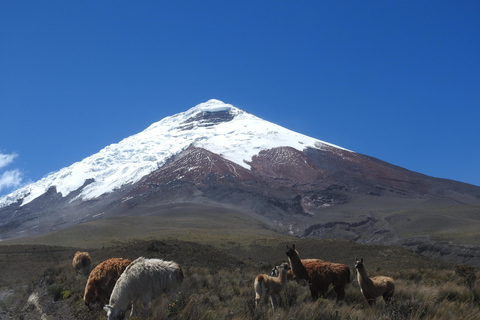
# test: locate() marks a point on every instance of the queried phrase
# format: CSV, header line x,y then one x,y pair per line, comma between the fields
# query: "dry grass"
x,y
229,295
227,292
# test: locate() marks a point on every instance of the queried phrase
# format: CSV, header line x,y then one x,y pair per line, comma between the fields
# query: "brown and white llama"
x,y
319,274
372,288
82,262
271,286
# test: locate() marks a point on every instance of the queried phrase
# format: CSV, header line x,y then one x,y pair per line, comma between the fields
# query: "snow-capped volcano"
x,y
215,126
215,156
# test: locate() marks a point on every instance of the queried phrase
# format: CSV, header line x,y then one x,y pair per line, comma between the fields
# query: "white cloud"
x,y
6,159
10,179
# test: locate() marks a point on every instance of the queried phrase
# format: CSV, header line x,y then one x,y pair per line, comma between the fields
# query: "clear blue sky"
x,y
396,80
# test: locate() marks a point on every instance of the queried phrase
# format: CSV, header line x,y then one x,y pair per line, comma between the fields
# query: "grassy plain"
x,y
221,253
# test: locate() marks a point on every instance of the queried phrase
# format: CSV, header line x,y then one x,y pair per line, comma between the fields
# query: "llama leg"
x,y
388,296
314,293
133,309
278,300
371,302
258,293
145,306
323,290
272,301
257,298
340,291
275,300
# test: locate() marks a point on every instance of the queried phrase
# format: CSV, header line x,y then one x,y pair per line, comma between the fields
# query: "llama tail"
x,y
179,275
348,274
259,286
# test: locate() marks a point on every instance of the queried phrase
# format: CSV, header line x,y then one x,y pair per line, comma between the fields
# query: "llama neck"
x,y
283,276
362,277
121,297
298,269
296,263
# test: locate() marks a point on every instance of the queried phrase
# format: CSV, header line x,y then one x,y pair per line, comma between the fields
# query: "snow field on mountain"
x,y
237,139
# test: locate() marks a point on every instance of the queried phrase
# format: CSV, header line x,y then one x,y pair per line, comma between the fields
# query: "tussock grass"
x,y
229,294
219,284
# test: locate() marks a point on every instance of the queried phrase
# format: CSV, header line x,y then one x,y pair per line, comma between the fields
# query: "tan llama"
x,y
271,286
372,288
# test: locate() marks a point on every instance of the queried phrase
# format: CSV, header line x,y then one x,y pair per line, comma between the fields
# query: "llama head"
x,y
278,269
359,264
90,296
113,313
93,303
291,252
284,266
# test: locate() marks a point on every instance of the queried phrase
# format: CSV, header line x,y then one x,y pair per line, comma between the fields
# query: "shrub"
x,y
404,309
452,292
291,295
176,306
55,291
66,294
467,274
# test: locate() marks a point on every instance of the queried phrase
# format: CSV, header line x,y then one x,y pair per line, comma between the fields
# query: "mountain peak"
x,y
221,128
208,114
211,106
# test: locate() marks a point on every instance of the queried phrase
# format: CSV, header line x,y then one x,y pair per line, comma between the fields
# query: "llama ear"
x,y
361,260
286,245
293,246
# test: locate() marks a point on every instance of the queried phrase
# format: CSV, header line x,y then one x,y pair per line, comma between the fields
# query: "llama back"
x,y
102,279
341,271
148,277
319,270
386,283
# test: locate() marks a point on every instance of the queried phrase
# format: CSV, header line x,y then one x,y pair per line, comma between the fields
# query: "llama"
x,y
372,288
101,281
81,262
290,275
319,274
271,286
143,280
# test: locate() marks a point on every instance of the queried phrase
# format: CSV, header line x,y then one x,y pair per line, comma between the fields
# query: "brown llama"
x,y
372,288
271,286
101,281
319,274
82,262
